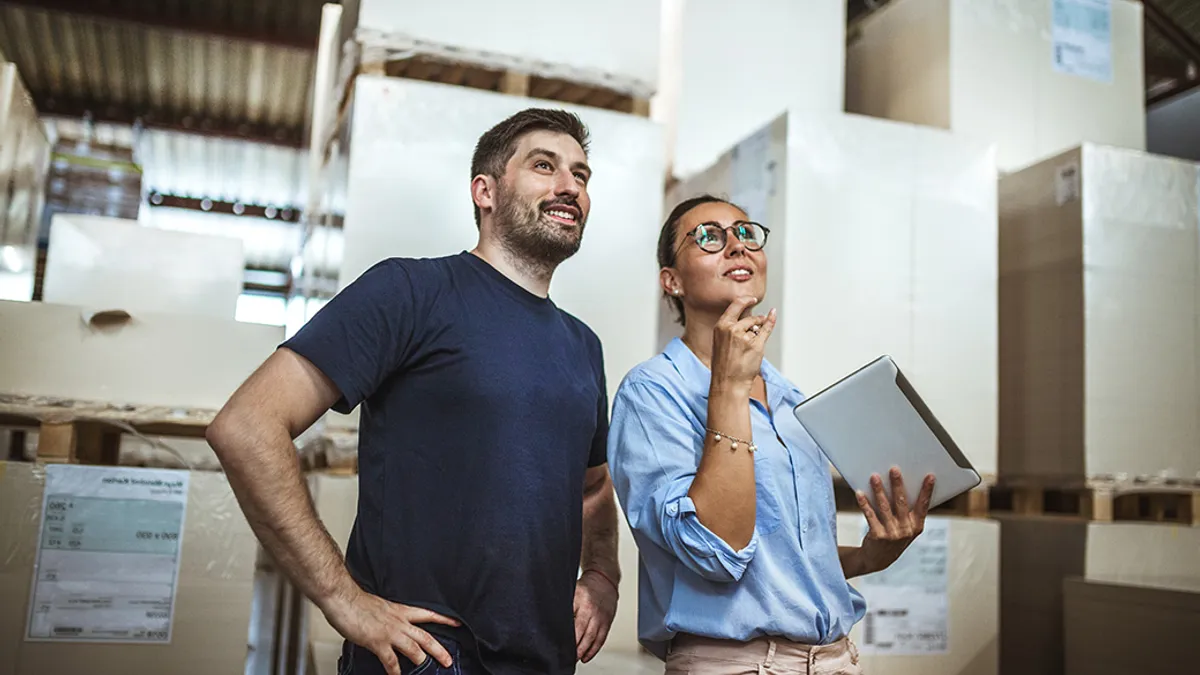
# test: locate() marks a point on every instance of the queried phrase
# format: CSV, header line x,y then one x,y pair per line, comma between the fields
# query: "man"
x,y
482,475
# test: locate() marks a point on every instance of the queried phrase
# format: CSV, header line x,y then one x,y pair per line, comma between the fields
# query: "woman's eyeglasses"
x,y
712,237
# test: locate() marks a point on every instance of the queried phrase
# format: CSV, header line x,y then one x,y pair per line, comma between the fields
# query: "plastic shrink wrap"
x,y
742,64
883,241
167,361
24,162
95,261
613,43
211,547
1034,76
1099,304
936,610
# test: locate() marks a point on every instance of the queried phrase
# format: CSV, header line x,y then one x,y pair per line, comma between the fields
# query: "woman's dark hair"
x,y
667,250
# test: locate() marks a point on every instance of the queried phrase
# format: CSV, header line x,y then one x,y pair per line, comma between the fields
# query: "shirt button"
x,y
672,509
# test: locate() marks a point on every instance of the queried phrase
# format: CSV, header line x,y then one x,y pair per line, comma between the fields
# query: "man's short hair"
x,y
497,145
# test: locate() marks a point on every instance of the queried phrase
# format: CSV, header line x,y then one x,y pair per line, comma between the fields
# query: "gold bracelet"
x,y
733,442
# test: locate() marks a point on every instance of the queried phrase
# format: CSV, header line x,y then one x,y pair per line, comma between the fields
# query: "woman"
x,y
730,501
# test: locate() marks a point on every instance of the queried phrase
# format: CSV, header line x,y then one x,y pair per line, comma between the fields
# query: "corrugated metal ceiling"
x,y
116,60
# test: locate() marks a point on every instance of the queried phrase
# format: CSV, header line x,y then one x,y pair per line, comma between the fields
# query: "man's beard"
x,y
529,235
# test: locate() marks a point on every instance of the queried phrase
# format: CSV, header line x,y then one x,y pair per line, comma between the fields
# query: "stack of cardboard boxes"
x,y
105,567
1099,313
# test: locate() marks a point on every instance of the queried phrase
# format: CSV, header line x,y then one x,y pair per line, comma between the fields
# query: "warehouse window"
x,y
265,308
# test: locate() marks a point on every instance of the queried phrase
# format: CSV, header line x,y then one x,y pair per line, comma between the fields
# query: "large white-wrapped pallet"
x,y
883,241
986,68
744,63
1099,306
24,162
168,361
408,195
936,610
102,263
609,43
1038,553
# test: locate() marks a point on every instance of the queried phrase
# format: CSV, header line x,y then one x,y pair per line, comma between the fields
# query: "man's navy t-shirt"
x,y
482,407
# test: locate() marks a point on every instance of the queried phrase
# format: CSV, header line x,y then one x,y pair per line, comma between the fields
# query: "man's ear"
x,y
483,192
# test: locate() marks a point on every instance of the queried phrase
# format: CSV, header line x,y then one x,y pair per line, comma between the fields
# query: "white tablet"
x,y
872,420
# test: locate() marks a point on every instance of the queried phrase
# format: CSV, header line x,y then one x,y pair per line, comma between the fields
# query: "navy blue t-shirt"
x,y
482,407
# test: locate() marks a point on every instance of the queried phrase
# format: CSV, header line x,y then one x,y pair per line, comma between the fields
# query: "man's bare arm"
x,y
253,438
596,593
600,524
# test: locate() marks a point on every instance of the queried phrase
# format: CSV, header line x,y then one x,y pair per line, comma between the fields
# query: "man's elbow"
x,y
231,435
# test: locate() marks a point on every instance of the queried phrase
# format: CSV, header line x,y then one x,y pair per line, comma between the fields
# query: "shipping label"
x,y
108,554
908,604
1082,38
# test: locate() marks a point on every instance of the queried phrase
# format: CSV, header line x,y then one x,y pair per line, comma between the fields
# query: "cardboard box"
x,y
102,263
789,56
410,152
986,69
1038,553
955,563
212,601
883,241
1099,302
615,40
148,359
1116,628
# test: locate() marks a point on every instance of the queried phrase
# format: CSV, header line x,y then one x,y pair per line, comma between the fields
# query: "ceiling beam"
x,y
170,120
1166,68
284,213
106,10
1165,26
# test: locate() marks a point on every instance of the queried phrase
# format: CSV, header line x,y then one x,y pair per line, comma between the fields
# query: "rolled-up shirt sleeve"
x,y
654,450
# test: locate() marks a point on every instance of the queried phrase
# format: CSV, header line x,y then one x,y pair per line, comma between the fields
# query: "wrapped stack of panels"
x,y
146,359
90,606
1102,618
24,162
1034,76
100,262
1039,553
743,64
935,611
1099,311
883,241
615,41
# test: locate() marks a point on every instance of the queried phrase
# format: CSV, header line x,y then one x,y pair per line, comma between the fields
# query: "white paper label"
x,y
1082,38
907,604
753,175
1066,183
108,554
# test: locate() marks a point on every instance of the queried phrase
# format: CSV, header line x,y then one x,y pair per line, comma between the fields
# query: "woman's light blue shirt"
x,y
788,580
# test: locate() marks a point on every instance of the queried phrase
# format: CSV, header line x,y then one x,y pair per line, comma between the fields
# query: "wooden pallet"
x,y
970,504
447,71
1103,500
82,432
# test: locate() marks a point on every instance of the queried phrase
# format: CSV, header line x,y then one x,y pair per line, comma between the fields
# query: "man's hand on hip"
x,y
386,628
595,607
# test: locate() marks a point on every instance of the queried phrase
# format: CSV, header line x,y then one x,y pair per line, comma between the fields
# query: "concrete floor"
x,y
621,663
